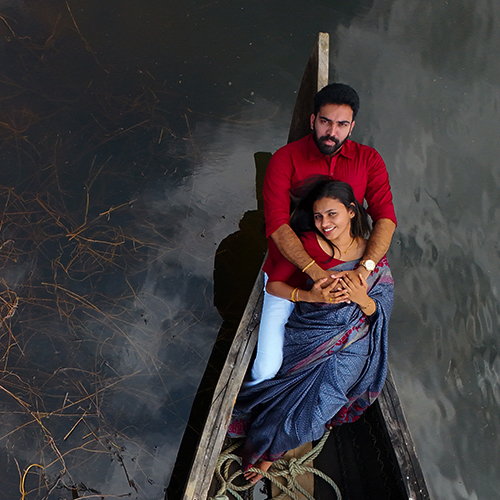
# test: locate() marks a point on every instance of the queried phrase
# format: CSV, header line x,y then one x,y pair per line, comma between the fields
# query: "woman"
x,y
335,351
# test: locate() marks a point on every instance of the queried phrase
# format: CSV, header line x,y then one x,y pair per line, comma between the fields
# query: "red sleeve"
x,y
278,268
282,270
276,190
378,190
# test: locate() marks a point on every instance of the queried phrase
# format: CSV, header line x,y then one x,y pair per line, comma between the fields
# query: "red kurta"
x,y
358,165
284,270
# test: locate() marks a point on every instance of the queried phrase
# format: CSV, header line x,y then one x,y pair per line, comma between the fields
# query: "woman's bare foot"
x,y
253,477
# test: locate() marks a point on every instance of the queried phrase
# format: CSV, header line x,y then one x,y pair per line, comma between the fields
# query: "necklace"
x,y
350,245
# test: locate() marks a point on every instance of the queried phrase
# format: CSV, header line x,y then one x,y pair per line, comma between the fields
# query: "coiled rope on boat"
x,y
286,469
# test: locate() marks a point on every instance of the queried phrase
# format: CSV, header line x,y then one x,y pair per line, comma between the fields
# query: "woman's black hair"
x,y
319,187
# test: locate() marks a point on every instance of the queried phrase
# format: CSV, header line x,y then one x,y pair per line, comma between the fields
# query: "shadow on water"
x,y
238,260
85,328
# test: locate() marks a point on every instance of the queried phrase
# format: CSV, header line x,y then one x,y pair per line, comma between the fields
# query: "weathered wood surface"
x,y
402,442
314,79
227,389
305,480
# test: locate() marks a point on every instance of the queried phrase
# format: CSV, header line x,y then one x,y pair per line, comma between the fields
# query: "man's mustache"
x,y
329,138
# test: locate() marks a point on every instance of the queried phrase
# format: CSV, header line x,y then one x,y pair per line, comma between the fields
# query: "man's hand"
x,y
353,274
317,273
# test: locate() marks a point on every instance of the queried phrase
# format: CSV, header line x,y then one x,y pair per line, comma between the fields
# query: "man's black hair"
x,y
337,93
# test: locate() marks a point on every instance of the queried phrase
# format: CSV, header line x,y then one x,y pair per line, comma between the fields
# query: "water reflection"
x,y
125,166
115,196
432,97
104,269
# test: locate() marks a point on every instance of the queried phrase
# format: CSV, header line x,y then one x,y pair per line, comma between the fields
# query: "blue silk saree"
x,y
334,367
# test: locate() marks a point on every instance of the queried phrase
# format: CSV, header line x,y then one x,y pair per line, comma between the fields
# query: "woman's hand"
x,y
327,294
356,289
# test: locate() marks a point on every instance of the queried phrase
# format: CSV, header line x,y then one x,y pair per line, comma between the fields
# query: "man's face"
x,y
331,127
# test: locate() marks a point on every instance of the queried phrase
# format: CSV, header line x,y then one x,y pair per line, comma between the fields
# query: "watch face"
x,y
369,265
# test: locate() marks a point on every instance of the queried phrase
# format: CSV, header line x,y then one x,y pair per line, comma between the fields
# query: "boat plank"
x,y
314,79
402,441
227,389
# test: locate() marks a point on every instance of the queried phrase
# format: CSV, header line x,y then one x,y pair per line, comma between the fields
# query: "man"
x,y
327,151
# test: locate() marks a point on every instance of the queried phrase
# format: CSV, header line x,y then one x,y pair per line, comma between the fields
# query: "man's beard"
x,y
328,150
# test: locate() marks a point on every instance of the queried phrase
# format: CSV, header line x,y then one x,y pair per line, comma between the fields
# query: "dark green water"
x,y
127,135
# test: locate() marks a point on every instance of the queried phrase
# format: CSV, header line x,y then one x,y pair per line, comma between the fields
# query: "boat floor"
x,y
359,458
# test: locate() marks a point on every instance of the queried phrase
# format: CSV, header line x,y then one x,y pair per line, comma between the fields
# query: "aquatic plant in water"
x,y
85,386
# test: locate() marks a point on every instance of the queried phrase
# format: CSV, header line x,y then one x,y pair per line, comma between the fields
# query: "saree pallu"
x,y
334,367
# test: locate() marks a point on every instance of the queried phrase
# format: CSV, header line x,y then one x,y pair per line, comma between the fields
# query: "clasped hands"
x,y
345,286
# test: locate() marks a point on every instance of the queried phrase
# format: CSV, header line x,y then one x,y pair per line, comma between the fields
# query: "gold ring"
x,y
331,299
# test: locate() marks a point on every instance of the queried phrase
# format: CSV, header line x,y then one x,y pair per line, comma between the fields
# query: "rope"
x,y
282,468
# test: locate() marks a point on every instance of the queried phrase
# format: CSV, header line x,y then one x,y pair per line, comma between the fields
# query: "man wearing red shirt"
x,y
327,151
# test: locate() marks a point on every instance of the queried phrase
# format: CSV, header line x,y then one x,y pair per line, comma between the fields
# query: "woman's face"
x,y
333,219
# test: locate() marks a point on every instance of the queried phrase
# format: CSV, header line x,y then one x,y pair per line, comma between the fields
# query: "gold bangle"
x,y
308,266
297,295
293,299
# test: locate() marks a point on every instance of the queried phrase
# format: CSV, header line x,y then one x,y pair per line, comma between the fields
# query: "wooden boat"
x,y
383,432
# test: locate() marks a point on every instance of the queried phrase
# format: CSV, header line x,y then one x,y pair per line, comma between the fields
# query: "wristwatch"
x,y
368,264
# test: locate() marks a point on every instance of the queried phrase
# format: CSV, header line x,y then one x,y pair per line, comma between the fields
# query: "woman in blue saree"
x,y
335,351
